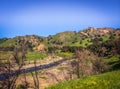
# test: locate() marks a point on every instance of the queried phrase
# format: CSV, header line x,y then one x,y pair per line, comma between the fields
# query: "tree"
x,y
83,64
12,69
87,63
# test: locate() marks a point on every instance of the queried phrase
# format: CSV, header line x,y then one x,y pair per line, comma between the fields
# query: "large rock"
x,y
41,48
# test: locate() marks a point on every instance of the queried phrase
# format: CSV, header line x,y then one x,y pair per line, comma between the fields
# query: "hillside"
x,y
9,44
110,80
3,40
63,38
90,52
82,38
92,32
65,43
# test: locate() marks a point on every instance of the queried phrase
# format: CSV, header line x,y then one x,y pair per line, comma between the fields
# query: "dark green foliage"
x,y
108,48
114,62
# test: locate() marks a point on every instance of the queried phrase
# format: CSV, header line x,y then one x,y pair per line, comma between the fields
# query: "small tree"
x,y
87,63
83,64
35,77
99,66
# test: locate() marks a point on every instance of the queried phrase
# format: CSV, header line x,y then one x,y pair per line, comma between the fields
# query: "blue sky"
x,y
48,17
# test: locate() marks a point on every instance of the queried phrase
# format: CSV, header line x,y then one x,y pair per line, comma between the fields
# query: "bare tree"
x,y
12,68
87,63
8,83
99,66
35,77
83,66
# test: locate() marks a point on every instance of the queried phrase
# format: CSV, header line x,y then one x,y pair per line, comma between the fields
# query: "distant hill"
x,y
2,40
82,38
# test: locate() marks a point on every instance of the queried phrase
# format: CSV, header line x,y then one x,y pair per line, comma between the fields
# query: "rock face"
x,y
117,32
97,31
35,40
41,48
103,31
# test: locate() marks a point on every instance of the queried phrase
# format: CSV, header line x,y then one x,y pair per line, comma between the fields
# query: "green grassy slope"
x,y
8,43
64,37
83,43
3,40
110,80
35,55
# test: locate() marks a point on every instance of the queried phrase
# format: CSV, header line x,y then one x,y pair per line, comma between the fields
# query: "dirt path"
x,y
51,75
32,68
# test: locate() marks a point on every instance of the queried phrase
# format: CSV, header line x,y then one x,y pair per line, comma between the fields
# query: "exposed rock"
x,y
41,48
91,32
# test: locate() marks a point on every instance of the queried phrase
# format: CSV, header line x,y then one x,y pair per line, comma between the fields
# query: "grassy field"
x,y
35,55
29,55
110,80
64,54
9,43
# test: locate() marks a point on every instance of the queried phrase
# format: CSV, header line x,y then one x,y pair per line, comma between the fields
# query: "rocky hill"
x,y
91,32
68,38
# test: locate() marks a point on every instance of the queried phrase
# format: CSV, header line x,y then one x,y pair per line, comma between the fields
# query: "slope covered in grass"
x,y
8,43
110,80
35,55
83,43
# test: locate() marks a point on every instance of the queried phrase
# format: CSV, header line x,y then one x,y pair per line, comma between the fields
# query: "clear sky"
x,y
48,17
